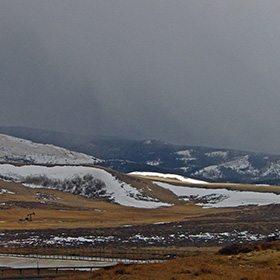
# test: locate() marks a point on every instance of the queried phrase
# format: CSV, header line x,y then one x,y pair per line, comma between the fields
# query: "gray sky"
x,y
187,72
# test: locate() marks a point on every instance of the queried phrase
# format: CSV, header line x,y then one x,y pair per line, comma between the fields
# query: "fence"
x,y
99,254
25,271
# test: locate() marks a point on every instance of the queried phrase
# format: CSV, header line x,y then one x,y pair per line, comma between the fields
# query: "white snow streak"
x,y
169,176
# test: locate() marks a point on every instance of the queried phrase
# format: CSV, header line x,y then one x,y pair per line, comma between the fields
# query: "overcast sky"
x,y
186,72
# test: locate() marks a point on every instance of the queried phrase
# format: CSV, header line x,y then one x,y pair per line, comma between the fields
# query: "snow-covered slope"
x,y
216,198
203,163
96,182
81,180
14,149
209,197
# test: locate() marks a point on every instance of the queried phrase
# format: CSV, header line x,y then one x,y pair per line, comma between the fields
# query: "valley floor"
x,y
67,220
69,224
206,230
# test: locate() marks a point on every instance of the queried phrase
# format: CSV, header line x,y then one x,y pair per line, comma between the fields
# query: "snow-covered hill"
x,y
218,198
209,197
81,180
203,163
94,182
67,174
14,149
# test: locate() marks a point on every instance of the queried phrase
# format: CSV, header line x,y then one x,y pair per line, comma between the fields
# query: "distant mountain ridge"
x,y
204,163
13,149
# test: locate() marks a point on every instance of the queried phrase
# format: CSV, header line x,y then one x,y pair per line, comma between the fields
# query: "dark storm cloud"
x,y
192,72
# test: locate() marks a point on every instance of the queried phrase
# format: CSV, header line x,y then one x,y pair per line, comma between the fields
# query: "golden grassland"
x,y
229,186
258,265
261,262
65,210
55,209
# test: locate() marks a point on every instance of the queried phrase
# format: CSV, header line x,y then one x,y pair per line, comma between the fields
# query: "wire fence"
x,y
90,253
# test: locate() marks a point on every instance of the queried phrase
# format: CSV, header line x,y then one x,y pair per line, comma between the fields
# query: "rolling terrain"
x,y
95,222
50,167
89,197
57,201
204,163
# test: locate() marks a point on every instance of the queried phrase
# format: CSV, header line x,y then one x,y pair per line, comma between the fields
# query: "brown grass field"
x,y
259,264
64,210
229,186
58,210
55,209
256,261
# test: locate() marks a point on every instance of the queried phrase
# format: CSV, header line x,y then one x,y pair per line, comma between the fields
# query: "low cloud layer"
x,y
187,72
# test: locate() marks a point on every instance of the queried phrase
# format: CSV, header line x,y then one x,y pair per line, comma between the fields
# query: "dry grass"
x,y
230,186
73,211
77,212
260,265
113,216
235,249
64,210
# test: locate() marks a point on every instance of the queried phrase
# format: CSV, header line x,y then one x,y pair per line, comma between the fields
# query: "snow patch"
x,y
154,162
185,155
218,198
168,176
220,154
211,171
4,191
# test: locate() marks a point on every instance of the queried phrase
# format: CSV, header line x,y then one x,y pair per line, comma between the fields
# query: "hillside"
x,y
138,189
79,208
90,182
14,149
51,167
210,164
